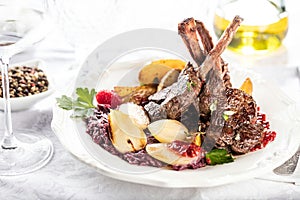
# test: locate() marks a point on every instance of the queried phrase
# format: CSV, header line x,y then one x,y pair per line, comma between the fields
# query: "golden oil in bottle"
x,y
264,27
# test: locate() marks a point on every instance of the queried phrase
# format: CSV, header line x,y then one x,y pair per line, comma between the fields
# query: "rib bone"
x,y
220,47
187,30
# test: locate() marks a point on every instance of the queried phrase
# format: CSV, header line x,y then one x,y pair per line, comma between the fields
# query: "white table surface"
x,y
65,177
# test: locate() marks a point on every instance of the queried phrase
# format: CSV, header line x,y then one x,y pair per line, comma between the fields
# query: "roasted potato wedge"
x,y
136,94
247,86
142,93
152,73
123,91
173,63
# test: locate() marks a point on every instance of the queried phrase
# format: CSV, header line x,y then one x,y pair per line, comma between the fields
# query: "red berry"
x,y
108,97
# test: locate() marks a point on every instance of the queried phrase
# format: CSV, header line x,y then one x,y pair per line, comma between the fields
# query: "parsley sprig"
x,y
82,106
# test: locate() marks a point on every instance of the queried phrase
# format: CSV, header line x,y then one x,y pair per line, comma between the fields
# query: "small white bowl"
x,y
22,103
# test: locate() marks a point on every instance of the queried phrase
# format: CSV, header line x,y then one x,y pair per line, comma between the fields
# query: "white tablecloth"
x,y
65,177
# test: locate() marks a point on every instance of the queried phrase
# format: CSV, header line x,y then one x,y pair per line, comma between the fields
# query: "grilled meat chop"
x,y
204,92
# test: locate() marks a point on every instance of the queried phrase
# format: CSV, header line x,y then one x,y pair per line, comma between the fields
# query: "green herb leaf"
x,y
193,84
86,97
82,105
82,113
189,85
225,117
65,102
218,156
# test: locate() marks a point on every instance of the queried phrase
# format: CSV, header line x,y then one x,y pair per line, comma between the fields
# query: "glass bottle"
x,y
264,27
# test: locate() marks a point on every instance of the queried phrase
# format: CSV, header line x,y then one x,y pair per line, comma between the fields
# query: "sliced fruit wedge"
x,y
162,152
125,135
168,130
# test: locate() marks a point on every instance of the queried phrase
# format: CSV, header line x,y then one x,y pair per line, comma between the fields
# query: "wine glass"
x,y
22,23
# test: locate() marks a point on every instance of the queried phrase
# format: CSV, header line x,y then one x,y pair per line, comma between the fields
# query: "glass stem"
x,y
8,141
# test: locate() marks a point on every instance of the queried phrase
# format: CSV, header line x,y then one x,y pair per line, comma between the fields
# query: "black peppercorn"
x,y
25,81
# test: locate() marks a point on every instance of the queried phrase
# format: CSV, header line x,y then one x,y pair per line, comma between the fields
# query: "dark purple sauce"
x,y
98,129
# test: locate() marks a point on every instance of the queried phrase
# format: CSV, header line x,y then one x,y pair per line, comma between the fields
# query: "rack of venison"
x,y
183,115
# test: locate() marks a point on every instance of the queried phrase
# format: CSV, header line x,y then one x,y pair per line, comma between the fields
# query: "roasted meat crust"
x,y
242,106
241,131
177,98
247,137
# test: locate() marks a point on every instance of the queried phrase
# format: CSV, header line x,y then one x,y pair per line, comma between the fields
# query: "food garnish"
x,y
182,115
82,105
108,97
218,156
247,86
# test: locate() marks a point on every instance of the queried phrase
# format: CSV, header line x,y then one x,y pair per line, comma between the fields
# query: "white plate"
x,y
22,103
121,61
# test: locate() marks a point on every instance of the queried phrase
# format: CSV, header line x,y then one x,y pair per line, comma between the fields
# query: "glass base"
x,y
32,152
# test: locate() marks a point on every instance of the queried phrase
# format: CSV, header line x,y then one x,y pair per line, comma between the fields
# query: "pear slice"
x,y
168,79
162,152
125,135
168,130
136,113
